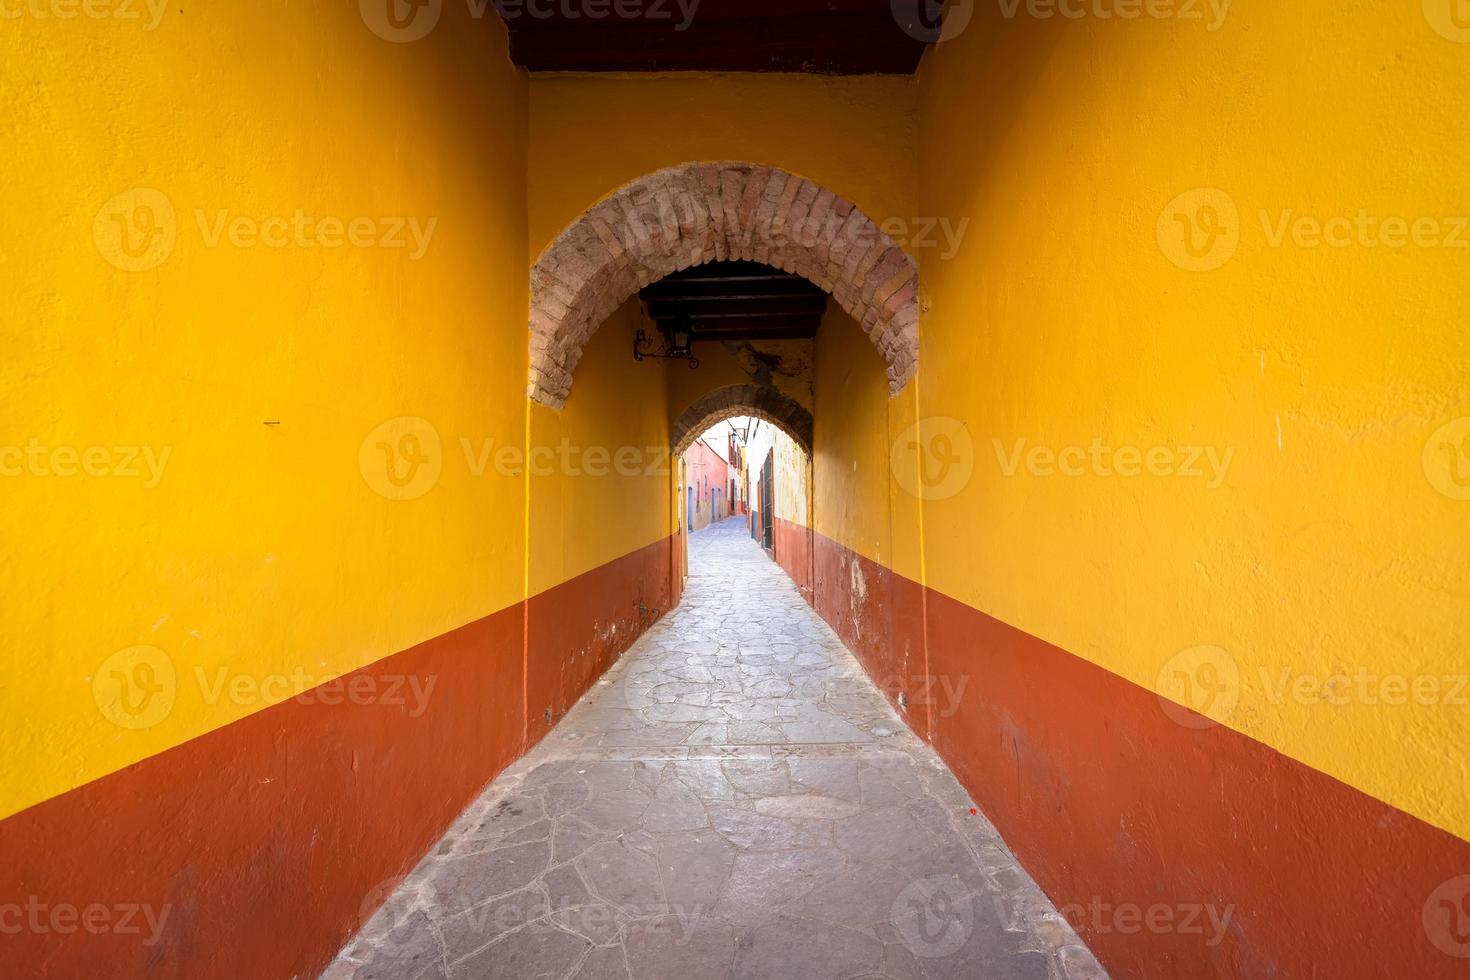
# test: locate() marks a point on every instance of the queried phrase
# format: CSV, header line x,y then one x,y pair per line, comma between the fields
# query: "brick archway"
x,y
704,212
758,402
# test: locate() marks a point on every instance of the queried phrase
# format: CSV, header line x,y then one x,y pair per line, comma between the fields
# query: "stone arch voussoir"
x,y
707,212
780,410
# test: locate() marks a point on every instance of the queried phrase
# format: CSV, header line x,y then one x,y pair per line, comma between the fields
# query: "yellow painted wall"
x,y
264,547
591,134
1075,311
590,510
793,491
852,479
791,472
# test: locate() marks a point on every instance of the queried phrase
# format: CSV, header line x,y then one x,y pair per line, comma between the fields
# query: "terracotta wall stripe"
x,y
260,847
1263,866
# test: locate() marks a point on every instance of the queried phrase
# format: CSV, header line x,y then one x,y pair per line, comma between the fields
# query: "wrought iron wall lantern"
x,y
678,345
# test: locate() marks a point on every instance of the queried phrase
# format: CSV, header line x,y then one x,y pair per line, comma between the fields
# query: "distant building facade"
x,y
777,477
707,486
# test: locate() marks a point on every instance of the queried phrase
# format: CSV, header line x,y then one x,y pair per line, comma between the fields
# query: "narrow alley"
x,y
734,799
677,489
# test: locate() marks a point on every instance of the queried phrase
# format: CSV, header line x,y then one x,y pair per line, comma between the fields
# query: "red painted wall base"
x,y
255,846
793,547
1119,812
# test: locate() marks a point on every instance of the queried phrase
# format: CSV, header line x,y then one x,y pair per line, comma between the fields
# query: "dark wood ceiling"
x,y
736,301
838,37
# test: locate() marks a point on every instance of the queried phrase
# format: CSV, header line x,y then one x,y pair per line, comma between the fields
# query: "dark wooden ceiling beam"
x,y
740,317
798,331
717,289
709,306
735,301
748,336
544,14
852,39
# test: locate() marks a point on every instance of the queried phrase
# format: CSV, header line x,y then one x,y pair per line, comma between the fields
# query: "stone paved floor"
x,y
733,800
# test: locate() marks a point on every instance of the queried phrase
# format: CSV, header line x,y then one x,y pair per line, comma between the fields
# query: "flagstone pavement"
x,y
734,800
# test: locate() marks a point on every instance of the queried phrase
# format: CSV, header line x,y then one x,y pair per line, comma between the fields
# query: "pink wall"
x,y
709,475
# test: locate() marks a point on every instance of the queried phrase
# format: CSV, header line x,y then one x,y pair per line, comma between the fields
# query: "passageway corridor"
x,y
734,799
377,377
